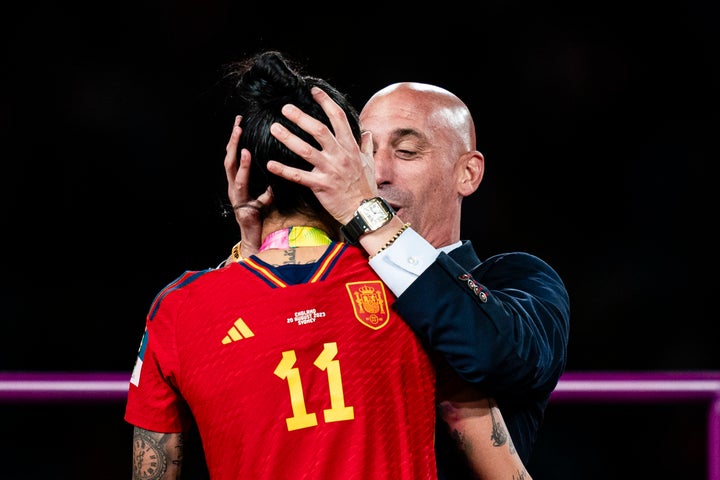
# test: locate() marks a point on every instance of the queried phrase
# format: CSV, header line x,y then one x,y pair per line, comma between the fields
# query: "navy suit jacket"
x,y
501,325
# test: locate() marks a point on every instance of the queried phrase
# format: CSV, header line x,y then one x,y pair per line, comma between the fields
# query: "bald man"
x,y
498,326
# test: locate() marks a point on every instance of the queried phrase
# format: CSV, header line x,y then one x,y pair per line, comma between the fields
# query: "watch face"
x,y
374,213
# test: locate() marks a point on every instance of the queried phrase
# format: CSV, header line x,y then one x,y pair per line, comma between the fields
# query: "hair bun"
x,y
268,78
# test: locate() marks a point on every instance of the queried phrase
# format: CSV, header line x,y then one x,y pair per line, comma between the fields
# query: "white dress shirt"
x,y
405,259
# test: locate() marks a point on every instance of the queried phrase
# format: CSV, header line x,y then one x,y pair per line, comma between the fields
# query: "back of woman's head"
x,y
261,86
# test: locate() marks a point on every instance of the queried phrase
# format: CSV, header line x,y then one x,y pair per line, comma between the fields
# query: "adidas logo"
x,y
237,332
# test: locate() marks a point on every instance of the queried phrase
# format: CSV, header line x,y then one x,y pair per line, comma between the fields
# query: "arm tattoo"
x,y
521,475
155,454
459,439
499,435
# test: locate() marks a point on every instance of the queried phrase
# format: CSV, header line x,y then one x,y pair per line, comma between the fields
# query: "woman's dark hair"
x,y
260,86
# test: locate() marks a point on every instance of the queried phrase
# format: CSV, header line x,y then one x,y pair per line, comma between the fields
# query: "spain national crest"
x,y
369,303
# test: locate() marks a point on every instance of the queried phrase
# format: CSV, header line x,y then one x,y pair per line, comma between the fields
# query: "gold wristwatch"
x,y
372,214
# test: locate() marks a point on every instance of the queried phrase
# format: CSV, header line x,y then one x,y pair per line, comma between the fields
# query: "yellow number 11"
x,y
325,361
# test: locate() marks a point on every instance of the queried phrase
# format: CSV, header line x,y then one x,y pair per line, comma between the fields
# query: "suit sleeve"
x,y
502,326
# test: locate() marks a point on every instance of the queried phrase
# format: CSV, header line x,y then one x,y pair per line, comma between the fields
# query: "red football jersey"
x,y
313,380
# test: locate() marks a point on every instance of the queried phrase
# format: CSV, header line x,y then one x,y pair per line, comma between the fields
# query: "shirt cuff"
x,y
402,262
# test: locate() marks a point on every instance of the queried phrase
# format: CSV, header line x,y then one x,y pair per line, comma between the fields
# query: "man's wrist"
x,y
372,214
393,238
374,242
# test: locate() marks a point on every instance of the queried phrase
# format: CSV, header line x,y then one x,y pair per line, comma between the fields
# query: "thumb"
x,y
366,143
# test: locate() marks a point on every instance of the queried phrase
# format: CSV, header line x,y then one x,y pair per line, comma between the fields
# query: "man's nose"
x,y
383,167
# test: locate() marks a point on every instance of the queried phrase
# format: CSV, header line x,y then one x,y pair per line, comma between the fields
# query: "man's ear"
x,y
471,168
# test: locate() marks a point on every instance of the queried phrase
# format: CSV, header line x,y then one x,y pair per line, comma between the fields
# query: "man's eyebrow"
x,y
410,134
404,133
407,132
400,132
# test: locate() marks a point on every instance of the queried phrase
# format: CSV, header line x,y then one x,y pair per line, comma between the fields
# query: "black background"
x,y
594,118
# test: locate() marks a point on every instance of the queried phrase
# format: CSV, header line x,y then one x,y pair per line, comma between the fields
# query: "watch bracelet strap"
x,y
352,231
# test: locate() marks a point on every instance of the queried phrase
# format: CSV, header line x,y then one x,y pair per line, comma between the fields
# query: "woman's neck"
x,y
294,231
294,239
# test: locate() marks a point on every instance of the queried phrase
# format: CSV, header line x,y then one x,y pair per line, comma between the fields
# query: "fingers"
x,y
366,154
312,126
231,150
366,143
266,198
243,172
343,135
292,174
260,205
249,213
301,148
237,173
338,119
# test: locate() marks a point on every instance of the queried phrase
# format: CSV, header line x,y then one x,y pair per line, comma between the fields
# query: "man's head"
x,y
259,87
425,157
